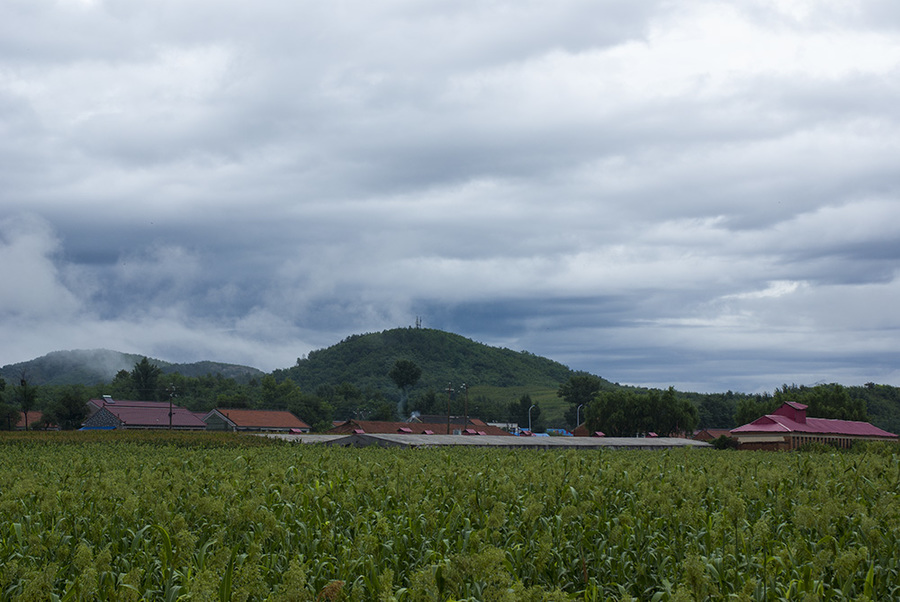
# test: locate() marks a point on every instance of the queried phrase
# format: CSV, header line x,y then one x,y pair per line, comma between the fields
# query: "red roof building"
x,y
711,434
109,413
581,431
254,420
373,427
789,428
29,421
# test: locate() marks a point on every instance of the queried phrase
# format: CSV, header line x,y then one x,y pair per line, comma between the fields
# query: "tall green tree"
x,y
428,403
750,408
612,412
624,413
69,410
524,411
313,410
824,401
405,375
9,416
716,410
145,380
278,396
579,391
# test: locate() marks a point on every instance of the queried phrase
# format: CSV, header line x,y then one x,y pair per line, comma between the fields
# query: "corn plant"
x,y
199,517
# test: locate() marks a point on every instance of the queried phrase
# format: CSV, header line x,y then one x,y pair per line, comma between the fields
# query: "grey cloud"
x,y
611,185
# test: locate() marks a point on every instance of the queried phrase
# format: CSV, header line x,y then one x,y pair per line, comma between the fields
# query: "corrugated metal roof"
x,y
774,423
153,414
394,440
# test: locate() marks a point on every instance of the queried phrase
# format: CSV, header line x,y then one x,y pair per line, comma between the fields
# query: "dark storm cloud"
x,y
701,195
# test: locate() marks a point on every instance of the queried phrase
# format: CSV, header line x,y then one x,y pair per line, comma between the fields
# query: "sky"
x,y
700,194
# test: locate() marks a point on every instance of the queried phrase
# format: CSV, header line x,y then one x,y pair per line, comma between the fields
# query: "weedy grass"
x,y
180,516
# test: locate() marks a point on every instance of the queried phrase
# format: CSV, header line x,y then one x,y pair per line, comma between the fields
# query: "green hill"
x,y
445,358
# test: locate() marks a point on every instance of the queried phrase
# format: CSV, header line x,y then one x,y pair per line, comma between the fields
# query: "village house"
x,y
271,421
109,413
711,434
30,420
789,428
582,431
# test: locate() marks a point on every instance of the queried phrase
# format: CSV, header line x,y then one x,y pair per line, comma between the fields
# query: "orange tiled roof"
x,y
263,418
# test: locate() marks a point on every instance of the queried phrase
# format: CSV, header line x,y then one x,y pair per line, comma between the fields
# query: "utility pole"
x,y
466,407
171,395
25,405
449,391
26,397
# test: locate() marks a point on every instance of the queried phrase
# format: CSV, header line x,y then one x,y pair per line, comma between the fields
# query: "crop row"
x,y
130,520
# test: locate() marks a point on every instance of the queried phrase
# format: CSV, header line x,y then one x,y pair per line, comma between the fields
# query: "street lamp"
x,y
577,419
529,417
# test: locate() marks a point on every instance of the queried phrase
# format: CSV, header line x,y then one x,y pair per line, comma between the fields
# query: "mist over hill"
x,y
98,366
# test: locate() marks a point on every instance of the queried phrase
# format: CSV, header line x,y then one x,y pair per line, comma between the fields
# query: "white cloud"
x,y
31,282
775,289
629,187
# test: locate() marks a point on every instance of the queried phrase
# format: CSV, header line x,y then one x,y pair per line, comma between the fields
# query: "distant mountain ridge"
x,y
98,366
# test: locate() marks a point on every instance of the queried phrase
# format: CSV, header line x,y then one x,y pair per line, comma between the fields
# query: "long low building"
x,y
229,419
504,441
379,427
789,428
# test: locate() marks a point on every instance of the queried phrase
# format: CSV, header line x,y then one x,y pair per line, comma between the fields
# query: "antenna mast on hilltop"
x,y
418,322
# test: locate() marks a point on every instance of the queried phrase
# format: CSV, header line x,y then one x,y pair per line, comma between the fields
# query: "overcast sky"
x,y
698,194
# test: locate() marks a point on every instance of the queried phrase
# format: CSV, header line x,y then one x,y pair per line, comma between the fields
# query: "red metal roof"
x,y
776,423
150,413
155,416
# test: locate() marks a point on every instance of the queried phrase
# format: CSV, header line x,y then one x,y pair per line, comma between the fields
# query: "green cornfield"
x,y
119,516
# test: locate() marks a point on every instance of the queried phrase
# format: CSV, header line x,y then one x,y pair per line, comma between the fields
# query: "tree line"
x,y
632,411
64,406
623,412
592,401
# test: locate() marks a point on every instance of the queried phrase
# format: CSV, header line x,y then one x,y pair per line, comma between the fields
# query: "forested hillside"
x,y
98,366
80,366
365,361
